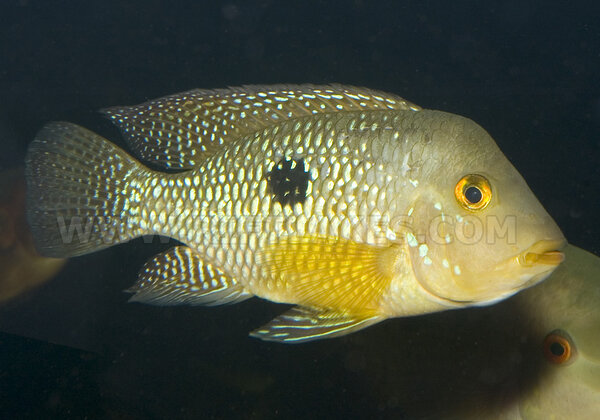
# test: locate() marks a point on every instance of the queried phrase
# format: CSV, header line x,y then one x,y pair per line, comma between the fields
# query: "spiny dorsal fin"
x,y
330,272
178,131
179,276
301,324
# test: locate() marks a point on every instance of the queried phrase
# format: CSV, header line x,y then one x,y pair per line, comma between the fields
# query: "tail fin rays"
x,y
80,197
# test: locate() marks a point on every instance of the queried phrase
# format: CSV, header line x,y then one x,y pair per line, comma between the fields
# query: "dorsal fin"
x,y
177,131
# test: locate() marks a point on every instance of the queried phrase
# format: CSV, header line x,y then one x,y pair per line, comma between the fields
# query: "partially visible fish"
x,y
354,204
566,313
21,267
535,356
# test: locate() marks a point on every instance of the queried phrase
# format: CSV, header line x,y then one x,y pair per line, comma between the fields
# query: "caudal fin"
x,y
80,195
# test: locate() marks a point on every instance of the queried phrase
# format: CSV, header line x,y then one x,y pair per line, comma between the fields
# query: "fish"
x,y
353,205
21,267
565,312
533,356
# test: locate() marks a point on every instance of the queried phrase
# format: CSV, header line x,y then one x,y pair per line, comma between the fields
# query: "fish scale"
x,y
319,196
165,197
175,130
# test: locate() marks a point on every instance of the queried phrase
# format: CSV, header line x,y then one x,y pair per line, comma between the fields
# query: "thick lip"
x,y
545,252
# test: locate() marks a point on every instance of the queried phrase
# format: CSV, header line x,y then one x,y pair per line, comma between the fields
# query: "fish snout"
x,y
544,252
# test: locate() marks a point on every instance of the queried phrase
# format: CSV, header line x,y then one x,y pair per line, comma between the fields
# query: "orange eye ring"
x,y
558,348
473,192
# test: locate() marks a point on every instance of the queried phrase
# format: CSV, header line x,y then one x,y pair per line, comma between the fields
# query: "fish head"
x,y
569,385
481,234
565,313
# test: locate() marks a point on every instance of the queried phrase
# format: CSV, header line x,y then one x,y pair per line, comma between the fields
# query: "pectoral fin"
x,y
180,276
334,273
301,324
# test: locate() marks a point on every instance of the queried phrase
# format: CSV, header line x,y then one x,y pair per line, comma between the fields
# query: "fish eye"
x,y
473,192
558,347
473,195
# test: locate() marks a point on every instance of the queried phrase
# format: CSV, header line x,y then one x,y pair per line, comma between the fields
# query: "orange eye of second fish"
x,y
558,348
473,192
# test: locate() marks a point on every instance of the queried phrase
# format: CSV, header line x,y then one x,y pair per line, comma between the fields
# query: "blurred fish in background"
x,y
21,267
534,356
526,71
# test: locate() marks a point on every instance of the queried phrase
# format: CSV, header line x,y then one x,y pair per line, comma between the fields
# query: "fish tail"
x,y
82,194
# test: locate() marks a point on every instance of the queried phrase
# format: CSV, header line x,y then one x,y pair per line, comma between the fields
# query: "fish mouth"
x,y
545,252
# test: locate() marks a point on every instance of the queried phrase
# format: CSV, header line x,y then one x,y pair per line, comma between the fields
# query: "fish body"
x,y
351,203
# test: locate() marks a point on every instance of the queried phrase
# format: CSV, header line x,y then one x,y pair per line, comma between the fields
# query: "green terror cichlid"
x,y
353,204
535,356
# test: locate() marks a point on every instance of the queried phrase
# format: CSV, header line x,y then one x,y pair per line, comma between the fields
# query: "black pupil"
x,y
473,195
557,349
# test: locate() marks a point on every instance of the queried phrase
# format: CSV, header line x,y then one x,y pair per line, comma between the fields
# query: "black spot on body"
x,y
288,181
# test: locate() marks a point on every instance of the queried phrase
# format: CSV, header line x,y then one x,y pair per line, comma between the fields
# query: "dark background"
x,y
526,71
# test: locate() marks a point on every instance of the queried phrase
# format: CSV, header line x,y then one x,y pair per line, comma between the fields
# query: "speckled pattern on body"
x,y
294,194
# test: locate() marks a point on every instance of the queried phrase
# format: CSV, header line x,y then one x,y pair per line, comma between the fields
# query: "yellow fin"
x,y
333,273
179,130
299,325
179,276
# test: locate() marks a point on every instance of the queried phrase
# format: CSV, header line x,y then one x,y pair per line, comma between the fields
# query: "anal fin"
x,y
302,324
179,276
